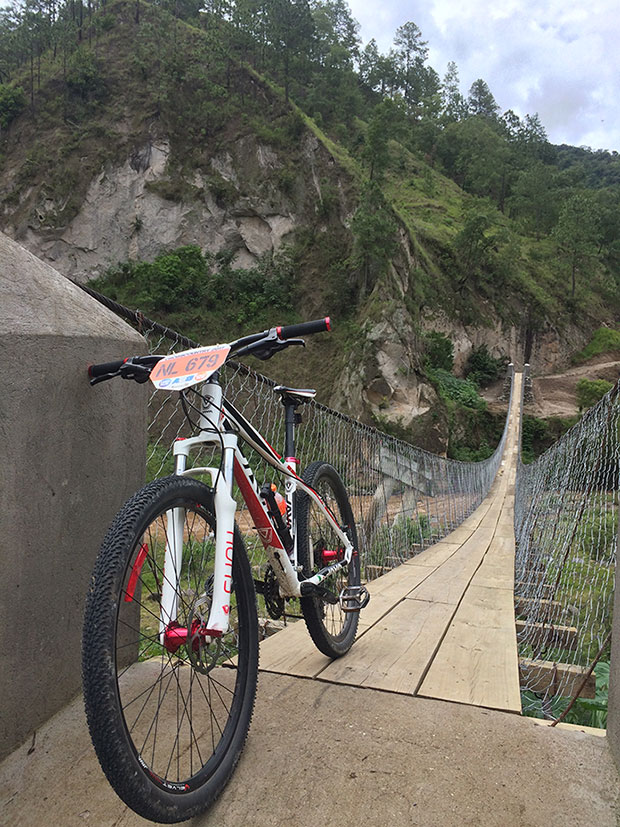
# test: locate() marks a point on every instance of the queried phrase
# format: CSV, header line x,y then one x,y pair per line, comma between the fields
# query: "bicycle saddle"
x,y
297,395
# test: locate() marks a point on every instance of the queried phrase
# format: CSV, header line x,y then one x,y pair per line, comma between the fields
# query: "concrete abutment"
x,y
71,455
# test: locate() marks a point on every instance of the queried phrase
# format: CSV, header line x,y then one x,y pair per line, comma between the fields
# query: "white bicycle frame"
x,y
225,425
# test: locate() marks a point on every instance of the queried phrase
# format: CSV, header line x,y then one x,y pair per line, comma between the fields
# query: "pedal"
x,y
312,590
354,598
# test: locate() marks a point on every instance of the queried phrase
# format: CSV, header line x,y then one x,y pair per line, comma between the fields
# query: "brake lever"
x,y
265,348
266,352
131,370
103,378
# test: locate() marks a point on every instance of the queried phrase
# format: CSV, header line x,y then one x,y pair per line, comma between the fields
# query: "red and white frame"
x,y
225,426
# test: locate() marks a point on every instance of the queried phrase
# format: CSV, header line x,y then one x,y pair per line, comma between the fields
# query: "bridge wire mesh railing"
x,y
404,498
566,528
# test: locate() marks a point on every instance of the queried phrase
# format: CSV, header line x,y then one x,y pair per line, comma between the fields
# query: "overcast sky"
x,y
560,58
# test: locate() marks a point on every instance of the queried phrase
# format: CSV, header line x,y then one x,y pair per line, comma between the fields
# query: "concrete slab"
x,y
320,753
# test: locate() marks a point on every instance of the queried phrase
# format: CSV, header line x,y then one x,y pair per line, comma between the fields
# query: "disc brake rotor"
x,y
203,651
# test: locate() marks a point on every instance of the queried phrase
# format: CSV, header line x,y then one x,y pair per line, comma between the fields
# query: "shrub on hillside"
x,y
462,391
590,391
12,102
438,351
482,368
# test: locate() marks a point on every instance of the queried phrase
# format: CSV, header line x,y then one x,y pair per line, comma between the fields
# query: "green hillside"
x,y
419,202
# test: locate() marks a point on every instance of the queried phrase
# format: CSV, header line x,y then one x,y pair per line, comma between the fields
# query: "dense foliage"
x,y
447,203
190,282
530,217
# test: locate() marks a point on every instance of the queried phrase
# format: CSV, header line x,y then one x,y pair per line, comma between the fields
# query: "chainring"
x,y
273,602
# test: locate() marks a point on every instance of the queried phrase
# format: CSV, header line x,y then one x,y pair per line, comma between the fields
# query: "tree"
x,y
12,102
335,26
608,208
477,157
481,102
577,233
374,235
453,102
411,53
292,33
378,72
384,124
473,243
534,198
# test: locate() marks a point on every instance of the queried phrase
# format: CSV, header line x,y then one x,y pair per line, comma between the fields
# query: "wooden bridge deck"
x,y
441,625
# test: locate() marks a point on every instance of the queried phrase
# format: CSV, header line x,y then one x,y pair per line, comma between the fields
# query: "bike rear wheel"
x,y
168,708
332,629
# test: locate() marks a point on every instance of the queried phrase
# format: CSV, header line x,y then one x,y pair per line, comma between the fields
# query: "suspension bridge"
x,y
463,608
441,625
460,612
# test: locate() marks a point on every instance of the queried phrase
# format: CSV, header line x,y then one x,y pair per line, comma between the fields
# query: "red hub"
x,y
176,635
331,555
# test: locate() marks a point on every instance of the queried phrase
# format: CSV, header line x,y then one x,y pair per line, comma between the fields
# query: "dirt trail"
x,y
556,394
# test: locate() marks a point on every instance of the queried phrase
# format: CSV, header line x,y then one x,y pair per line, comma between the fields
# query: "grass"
x,y
604,340
585,712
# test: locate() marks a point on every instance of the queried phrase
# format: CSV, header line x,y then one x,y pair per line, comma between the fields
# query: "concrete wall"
x,y
613,708
71,455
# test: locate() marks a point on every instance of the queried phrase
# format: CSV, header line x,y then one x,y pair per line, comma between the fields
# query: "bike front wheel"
x,y
168,707
332,629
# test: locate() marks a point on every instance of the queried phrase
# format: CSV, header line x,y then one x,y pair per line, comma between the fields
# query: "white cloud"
x,y
559,58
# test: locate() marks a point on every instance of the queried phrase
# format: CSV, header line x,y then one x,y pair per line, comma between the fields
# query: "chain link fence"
x,y
566,526
404,499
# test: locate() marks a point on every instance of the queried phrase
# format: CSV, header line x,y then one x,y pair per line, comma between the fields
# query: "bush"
x,y
482,368
439,351
591,391
462,391
12,102
83,76
185,280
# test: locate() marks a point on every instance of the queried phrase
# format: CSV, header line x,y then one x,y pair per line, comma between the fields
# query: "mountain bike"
x,y
170,645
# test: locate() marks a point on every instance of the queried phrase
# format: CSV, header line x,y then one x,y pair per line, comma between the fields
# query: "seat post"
x,y
290,421
292,398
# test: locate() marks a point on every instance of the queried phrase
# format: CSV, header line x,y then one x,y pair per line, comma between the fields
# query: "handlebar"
x,y
262,345
95,371
137,368
304,328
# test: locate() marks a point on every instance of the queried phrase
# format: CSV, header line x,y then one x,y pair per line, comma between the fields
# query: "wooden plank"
x,y
399,582
458,536
379,606
505,524
544,589
535,575
589,730
547,634
447,583
435,555
394,654
539,604
497,567
374,572
291,652
475,518
477,661
560,678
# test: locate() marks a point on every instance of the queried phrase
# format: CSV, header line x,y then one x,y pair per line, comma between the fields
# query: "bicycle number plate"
x,y
181,370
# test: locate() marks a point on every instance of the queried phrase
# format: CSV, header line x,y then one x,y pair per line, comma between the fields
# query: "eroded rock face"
x,y
383,384
548,350
139,209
